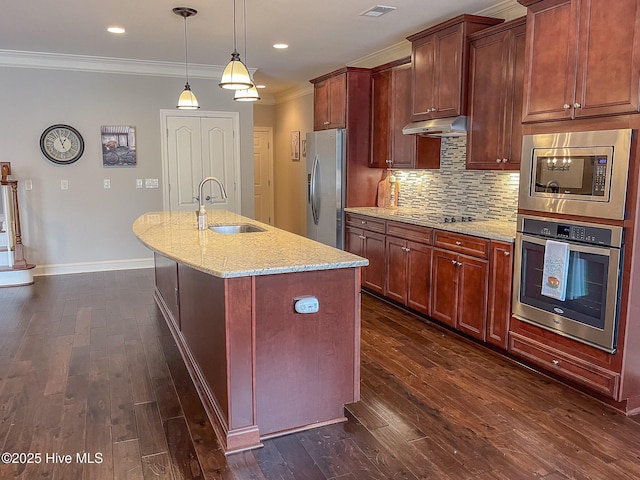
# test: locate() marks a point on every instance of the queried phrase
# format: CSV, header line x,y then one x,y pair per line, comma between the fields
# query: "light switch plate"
x,y
64,184
28,185
151,183
107,183
139,183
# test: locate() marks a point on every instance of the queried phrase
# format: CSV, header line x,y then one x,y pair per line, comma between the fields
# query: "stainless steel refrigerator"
x,y
326,186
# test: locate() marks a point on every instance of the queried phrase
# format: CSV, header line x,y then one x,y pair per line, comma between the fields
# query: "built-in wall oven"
x,y
576,173
588,309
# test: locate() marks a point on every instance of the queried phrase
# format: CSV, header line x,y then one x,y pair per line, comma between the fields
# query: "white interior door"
x,y
263,174
197,146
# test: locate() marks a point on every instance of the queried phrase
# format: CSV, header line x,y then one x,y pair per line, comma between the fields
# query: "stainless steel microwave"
x,y
578,173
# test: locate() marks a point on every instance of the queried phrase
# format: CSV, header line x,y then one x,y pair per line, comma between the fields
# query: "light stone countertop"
x,y
175,235
504,231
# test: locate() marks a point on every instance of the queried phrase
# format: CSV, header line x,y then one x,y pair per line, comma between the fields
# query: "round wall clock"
x,y
61,144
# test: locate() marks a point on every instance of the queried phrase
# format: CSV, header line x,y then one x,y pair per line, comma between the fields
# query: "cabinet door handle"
x,y
459,264
498,160
325,123
453,262
566,106
505,253
458,243
362,237
428,110
577,105
505,160
555,362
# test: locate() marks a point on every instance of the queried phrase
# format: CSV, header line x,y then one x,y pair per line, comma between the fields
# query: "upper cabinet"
x,y
496,78
439,58
342,99
582,59
390,112
330,101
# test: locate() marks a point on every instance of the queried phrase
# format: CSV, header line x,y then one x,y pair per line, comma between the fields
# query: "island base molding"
x,y
260,369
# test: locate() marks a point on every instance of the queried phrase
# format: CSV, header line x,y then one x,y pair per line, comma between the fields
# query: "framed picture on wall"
x,y
118,146
295,146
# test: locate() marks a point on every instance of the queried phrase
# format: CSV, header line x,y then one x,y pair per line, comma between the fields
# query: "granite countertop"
x,y
175,235
504,231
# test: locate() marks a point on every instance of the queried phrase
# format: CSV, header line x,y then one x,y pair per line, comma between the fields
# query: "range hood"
x,y
439,127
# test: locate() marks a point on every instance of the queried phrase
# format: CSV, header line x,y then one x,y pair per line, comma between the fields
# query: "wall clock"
x,y
61,144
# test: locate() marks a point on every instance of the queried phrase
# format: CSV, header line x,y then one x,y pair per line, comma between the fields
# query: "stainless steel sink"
x,y
235,228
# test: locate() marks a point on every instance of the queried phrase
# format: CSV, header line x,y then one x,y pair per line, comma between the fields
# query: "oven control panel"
x,y
572,231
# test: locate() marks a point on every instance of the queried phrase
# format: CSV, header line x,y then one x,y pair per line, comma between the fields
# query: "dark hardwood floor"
x,y
87,365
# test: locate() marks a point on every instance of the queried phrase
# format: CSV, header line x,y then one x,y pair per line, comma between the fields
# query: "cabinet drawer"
x,y
474,246
406,231
368,223
589,375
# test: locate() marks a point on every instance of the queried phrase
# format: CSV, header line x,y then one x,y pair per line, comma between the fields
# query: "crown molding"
x,y
84,63
386,55
298,91
508,9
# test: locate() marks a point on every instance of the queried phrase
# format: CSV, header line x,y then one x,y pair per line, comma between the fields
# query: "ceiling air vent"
x,y
377,11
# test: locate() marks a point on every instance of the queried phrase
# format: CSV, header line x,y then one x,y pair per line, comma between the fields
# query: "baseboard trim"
x,y
85,267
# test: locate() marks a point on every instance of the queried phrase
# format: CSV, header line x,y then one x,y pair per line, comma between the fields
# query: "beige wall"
x,y
264,116
290,211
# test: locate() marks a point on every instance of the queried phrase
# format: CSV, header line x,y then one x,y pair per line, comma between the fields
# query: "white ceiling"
x,y
323,34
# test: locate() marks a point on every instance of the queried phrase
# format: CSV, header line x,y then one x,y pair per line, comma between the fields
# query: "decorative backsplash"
x,y
454,191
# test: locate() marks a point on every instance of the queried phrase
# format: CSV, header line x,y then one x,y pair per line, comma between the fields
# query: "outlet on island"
x,y
306,304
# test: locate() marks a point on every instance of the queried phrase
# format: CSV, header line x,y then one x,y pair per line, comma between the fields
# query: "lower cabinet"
x,y
459,280
500,285
365,237
408,275
459,292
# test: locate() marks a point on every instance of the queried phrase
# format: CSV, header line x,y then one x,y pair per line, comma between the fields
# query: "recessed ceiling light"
x,y
280,45
115,30
377,11
261,86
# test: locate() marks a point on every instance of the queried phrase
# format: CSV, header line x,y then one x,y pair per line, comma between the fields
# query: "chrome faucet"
x,y
202,213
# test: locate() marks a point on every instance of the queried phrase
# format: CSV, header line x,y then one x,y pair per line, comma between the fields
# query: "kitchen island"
x,y
261,368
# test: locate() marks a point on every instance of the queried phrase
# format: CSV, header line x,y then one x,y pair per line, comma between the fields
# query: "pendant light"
x,y
235,75
187,100
246,94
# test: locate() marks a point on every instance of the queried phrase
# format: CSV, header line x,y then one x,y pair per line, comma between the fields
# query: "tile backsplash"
x,y
453,191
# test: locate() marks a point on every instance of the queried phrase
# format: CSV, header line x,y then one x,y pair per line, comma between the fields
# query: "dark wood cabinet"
x,y
365,237
439,57
390,112
500,284
329,105
166,273
496,80
582,59
408,272
460,282
342,99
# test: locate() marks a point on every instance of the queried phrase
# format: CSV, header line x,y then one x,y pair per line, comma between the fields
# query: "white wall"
x,y
87,227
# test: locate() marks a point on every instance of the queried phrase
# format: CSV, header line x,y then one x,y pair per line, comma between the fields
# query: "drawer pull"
x,y
363,222
458,243
555,362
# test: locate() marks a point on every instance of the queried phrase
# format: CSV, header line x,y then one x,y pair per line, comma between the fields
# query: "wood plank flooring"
x,y
87,366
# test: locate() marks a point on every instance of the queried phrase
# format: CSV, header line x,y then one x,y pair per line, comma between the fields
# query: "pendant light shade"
x,y
249,95
235,75
187,99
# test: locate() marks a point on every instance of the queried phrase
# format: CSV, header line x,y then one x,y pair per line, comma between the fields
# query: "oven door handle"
x,y
574,247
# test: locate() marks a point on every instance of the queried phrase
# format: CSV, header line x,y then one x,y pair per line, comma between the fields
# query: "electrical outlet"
x,y
151,183
64,184
28,185
107,183
139,183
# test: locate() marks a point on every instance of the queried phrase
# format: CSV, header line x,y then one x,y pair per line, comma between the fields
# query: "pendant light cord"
x,y
186,51
244,16
235,49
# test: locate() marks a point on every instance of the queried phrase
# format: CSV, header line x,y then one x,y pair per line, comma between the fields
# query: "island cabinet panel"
x,y
582,59
301,377
166,272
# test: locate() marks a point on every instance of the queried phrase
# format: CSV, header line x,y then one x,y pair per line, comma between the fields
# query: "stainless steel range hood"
x,y
440,127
